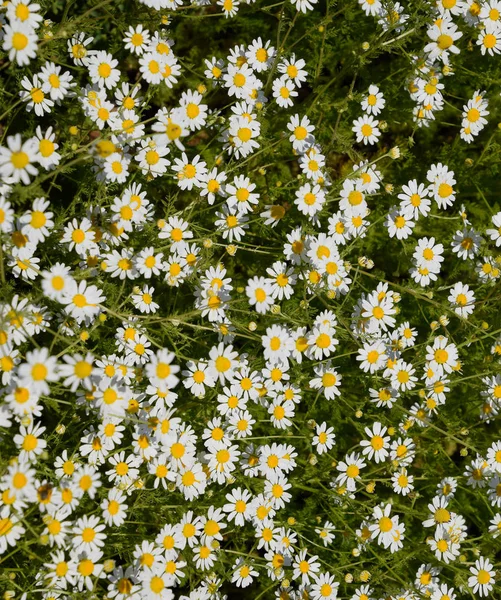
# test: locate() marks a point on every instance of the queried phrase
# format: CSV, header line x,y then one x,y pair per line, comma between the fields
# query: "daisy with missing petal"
x,y
35,97
11,530
283,91
260,55
77,49
442,185
80,237
429,254
242,135
239,80
142,298
243,574
374,102
223,361
325,587
151,158
48,157
190,172
383,528
116,167
294,68
328,380
54,82
402,482
213,185
30,441
195,113
197,377
231,223
305,568
277,344
399,222
137,39
353,198
312,163
222,459
38,371
324,438
349,470
238,506
301,130
378,312
462,299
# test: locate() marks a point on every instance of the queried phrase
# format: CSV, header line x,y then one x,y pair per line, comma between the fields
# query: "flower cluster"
x,y
241,345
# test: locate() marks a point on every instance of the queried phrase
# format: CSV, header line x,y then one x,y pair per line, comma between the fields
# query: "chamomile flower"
x,y
241,195
301,130
322,341
482,577
466,243
48,157
197,377
82,301
16,160
462,299
20,41
324,438
189,173
443,35
378,443
366,130
309,199
399,222
489,39
137,39
259,293
284,91
374,102
102,69
415,199
35,97
328,380
195,113
305,568
349,470
12,529
442,185
77,48
294,68
151,158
